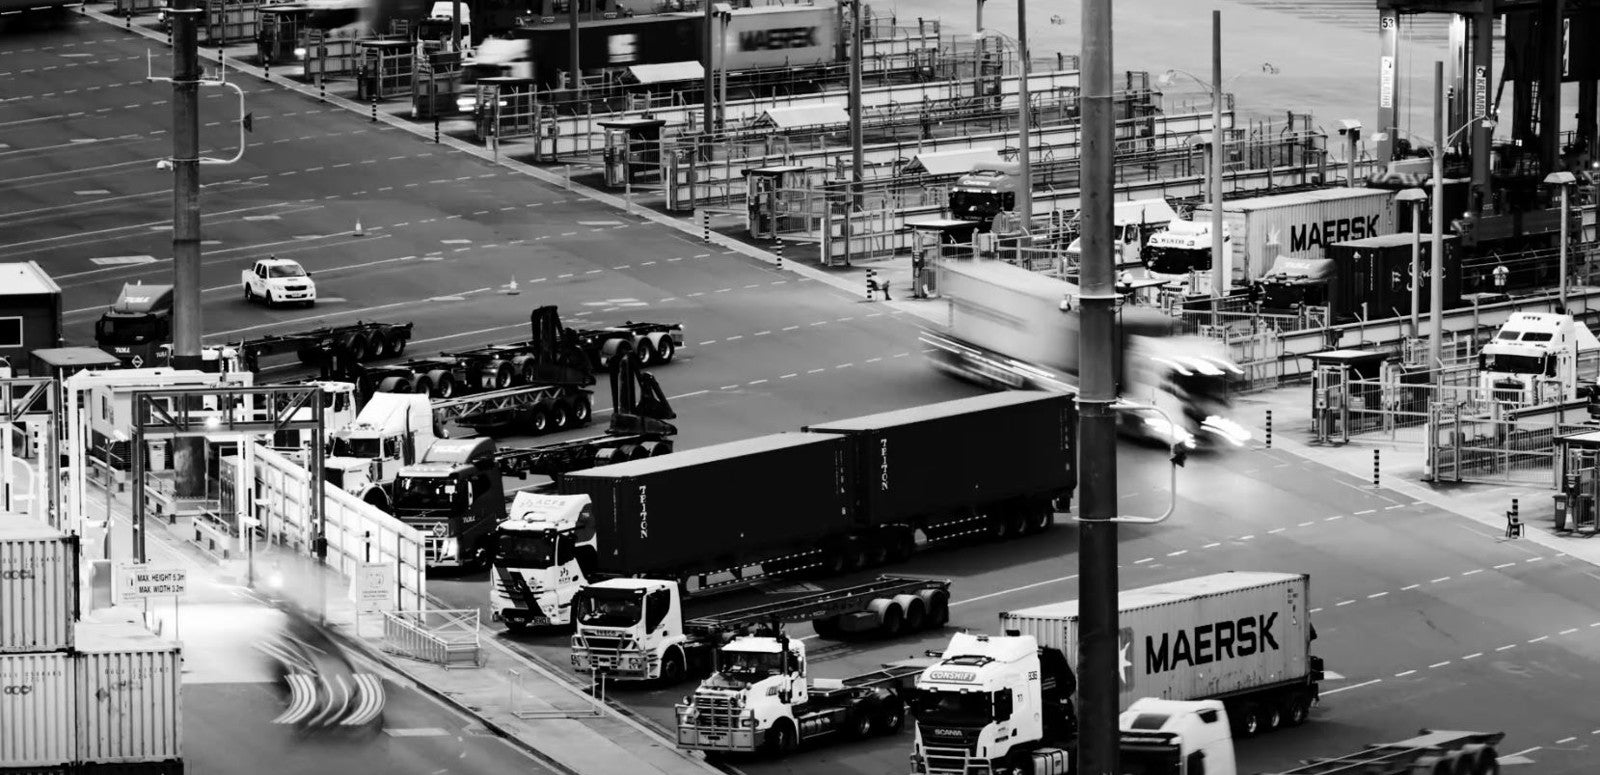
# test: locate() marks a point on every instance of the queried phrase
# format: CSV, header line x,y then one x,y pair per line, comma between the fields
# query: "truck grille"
x,y
603,645
717,712
946,761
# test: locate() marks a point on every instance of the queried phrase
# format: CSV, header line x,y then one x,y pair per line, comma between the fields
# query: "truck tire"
x,y
781,739
422,386
1271,715
891,717
916,615
376,498
859,724
394,385
498,375
826,627
647,353
538,421
1246,720
1014,520
902,544
1483,758
355,347
891,617
560,417
444,384
582,410
937,603
877,550
665,350
525,366
854,555
249,295
672,668
397,344
1040,516
1296,709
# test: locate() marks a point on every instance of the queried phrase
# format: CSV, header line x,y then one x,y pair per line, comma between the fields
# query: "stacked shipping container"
x,y
93,696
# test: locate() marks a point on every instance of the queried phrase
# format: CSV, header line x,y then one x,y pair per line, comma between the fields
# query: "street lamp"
x,y
1416,197
1565,180
1219,263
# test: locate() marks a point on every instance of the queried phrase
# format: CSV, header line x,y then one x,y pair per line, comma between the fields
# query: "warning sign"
x,y
142,581
373,585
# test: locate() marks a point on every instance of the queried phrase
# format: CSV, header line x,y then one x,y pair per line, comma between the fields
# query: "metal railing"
x,y
592,699
451,638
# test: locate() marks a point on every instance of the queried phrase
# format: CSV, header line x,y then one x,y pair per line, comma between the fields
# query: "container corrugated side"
x,y
779,37
1188,647
1304,225
37,727
129,706
1010,310
38,586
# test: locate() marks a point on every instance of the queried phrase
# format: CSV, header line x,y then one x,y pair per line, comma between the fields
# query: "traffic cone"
x,y
511,287
360,232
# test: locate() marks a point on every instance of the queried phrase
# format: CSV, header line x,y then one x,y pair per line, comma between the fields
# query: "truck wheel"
x,y
937,603
827,627
497,375
859,725
582,410
1040,518
516,628
444,385
666,350
397,344
538,421
423,386
893,621
1246,721
394,385
1296,709
854,556
647,353
916,616
355,346
672,669
781,740
560,419
1015,522
891,717
1271,716
902,544
524,366
1482,758
877,551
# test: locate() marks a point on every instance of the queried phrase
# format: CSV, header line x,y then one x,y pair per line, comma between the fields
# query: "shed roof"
x,y
796,116
957,162
665,72
25,278
75,357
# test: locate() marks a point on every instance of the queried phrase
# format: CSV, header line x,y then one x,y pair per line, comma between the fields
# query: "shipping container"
x,y
777,36
1303,224
708,509
36,710
612,44
1212,637
1374,276
38,586
128,696
941,462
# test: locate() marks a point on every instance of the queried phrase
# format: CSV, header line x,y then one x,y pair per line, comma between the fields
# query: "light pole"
x,y
1415,197
1565,180
1219,263
1025,168
1436,287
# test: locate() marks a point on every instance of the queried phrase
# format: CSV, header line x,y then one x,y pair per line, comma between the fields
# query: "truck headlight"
x,y
449,548
300,53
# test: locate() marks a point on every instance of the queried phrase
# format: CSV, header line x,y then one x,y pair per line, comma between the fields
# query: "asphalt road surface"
x,y
1430,620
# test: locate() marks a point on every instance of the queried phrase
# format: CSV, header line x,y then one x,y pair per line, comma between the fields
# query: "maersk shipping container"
x,y
38,585
1210,637
926,463
1304,223
776,36
715,507
1377,271
128,684
36,710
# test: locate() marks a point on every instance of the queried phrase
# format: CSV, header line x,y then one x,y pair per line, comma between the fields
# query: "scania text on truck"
x,y
843,496
1240,637
1539,358
645,630
759,699
1011,328
137,324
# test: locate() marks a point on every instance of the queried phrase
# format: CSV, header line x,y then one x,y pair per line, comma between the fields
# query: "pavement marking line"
x,y
1568,631
708,341
787,376
1565,740
1504,565
1438,665
1326,692
1343,602
1437,580
1473,655
1178,553
420,732
756,382
1277,530
1307,524
1376,595
1212,545
1334,517
1522,752
1368,511
1540,638
1507,648
1143,561
1404,674
1470,572
1409,587
1023,588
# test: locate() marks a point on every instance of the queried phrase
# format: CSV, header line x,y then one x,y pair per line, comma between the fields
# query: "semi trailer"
x,y
760,699
839,497
647,630
1010,328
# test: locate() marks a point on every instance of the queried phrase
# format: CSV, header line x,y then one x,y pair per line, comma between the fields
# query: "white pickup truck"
x,y
278,281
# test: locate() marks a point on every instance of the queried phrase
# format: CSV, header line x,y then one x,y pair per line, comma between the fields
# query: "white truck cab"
x,y
1181,253
544,552
753,689
631,629
1538,358
1133,223
274,281
1182,738
392,431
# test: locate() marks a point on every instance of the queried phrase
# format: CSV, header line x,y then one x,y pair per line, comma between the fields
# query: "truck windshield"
x,y
285,271
521,549
601,607
426,492
934,706
344,446
973,204
749,666
1164,260
1149,761
126,330
1513,364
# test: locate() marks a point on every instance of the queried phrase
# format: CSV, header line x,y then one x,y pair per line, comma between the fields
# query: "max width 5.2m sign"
x,y
144,581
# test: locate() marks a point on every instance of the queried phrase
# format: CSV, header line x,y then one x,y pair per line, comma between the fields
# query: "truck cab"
x,y
758,685
543,554
631,629
392,431
1176,738
455,497
1133,224
1538,358
988,190
274,281
137,324
1181,254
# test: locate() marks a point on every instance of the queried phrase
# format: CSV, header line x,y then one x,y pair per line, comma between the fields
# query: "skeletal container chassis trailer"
x,y
1431,751
357,342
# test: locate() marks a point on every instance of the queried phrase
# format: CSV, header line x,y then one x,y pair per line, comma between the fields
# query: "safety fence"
x,y
1515,448
450,638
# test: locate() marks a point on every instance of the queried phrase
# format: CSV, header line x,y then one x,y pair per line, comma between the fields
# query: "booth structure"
x,y
1578,456
278,32
435,84
1331,392
229,21
508,106
30,311
938,239
774,200
632,149
384,69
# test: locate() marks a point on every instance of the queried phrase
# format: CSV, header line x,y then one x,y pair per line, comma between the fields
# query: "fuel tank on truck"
x,y
944,457
1201,638
711,508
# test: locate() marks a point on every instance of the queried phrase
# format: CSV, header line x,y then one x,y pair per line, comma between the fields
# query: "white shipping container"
x,y
1010,310
38,586
36,710
1196,639
1303,223
777,36
128,694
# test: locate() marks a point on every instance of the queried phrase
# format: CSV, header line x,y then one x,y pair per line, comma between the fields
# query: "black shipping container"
x,y
619,43
1377,271
920,465
716,507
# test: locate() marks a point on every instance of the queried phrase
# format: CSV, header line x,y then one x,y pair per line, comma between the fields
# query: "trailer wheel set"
x,y
1282,710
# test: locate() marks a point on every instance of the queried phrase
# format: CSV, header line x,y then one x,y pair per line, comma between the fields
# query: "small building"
x,y
30,312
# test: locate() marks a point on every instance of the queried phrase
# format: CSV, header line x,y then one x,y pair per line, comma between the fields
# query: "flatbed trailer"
x,y
551,357
531,409
1431,751
577,454
831,612
656,343
332,347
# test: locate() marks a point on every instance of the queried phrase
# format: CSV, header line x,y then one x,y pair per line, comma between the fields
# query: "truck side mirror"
x,y
1196,764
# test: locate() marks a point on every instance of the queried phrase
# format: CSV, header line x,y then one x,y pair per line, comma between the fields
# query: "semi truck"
x,y
647,630
1010,328
1304,223
838,497
1181,255
1240,637
1539,358
760,699
1134,223
136,324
